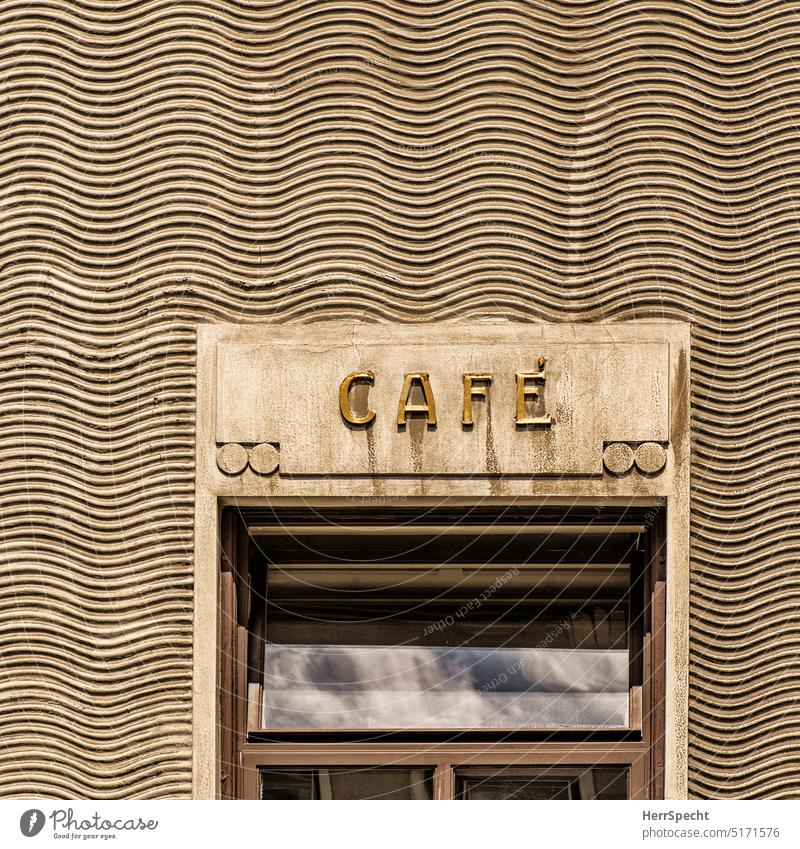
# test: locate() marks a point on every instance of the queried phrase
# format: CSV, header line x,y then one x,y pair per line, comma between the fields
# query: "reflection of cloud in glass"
x,y
324,686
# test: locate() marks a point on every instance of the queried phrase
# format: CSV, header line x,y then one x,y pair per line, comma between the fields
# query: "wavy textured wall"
x,y
166,163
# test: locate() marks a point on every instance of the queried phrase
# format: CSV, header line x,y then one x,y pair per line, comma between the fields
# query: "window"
x,y
542,784
473,654
356,782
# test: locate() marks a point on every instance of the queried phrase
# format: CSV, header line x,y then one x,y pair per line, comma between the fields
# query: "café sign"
x,y
476,386
354,399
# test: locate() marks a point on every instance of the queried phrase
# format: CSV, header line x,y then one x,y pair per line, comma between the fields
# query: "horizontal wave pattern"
x,y
165,163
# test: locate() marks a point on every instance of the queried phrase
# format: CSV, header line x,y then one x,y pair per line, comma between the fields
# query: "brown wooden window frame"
x,y
241,630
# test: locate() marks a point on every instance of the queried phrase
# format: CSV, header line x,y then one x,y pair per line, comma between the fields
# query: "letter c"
x,y
344,397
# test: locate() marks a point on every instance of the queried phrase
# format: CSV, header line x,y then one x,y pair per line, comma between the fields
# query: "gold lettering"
x,y
471,391
524,392
344,397
404,407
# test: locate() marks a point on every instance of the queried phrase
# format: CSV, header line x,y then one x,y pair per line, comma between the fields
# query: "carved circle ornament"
x,y
650,458
264,458
618,458
232,458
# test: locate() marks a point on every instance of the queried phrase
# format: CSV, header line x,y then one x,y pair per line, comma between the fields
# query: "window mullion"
x,y
444,782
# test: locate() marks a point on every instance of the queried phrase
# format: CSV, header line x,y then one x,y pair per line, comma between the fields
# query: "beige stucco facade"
x,y
180,177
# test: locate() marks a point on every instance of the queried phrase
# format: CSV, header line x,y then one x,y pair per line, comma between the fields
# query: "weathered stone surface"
x,y
606,382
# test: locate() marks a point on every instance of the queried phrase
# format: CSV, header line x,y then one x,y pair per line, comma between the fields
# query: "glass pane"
x,y
537,783
456,630
347,783
322,686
